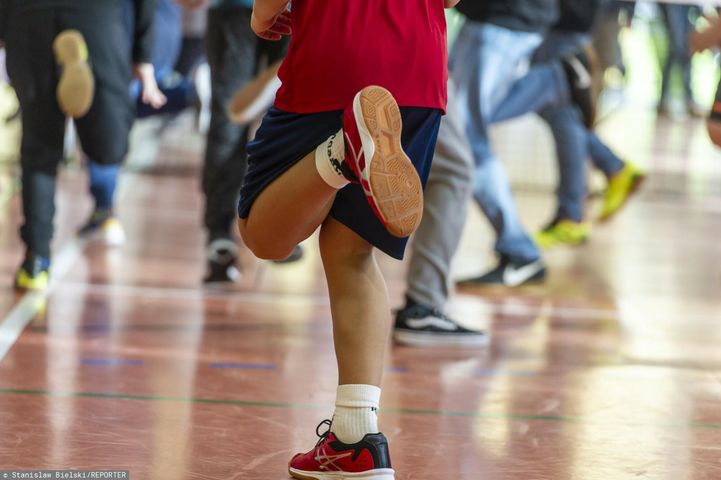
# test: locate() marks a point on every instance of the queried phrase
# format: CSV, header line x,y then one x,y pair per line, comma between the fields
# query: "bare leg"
x,y
288,211
359,304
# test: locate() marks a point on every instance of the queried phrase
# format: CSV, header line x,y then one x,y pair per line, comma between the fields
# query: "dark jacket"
x,y
523,15
144,14
577,15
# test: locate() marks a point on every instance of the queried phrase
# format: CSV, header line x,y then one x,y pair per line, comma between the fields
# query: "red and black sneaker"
x,y
372,127
332,459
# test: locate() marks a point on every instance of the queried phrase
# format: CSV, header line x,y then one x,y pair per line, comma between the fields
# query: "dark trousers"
x,y
103,132
235,56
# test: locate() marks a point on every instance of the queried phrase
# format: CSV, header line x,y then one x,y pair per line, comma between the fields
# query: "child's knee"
x,y
264,245
340,243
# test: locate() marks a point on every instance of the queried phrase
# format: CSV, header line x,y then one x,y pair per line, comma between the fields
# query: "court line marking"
x,y
311,406
32,302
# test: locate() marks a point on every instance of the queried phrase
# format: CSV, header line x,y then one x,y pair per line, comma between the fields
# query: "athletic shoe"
x,y
563,232
76,86
620,188
418,325
390,182
255,98
222,262
509,274
34,273
294,256
332,459
105,226
579,68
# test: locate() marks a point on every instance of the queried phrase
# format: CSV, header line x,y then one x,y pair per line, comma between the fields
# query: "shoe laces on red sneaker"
x,y
354,159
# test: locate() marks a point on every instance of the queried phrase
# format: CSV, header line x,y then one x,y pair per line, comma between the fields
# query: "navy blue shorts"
x,y
283,139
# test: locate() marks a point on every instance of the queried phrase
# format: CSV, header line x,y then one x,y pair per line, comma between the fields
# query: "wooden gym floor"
x,y
612,370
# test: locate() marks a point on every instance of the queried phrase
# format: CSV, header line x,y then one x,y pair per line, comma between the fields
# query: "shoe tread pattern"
x,y
394,181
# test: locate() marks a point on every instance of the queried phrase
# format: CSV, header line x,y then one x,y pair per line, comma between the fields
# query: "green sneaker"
x,y
620,188
563,232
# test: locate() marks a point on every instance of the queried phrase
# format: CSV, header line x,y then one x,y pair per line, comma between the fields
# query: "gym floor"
x,y
611,370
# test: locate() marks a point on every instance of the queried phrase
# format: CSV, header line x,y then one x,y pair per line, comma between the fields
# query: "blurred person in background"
x,y
63,40
679,21
235,56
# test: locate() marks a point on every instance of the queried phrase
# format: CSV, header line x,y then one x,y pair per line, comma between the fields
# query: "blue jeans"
x,y
545,90
103,182
485,62
679,27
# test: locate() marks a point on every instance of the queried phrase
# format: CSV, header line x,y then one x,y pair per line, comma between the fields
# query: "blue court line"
x,y
502,372
244,366
397,369
106,362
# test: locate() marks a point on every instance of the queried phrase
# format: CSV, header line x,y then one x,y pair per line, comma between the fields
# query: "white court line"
x,y
32,302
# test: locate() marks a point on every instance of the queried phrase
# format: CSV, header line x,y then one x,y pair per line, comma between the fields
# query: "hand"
x,y
150,93
192,4
273,29
707,38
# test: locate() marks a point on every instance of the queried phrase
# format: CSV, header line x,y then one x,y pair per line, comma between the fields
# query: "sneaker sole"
x,y
380,474
76,86
425,339
390,180
250,102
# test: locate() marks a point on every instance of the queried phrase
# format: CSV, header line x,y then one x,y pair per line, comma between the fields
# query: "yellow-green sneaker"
x,y
563,232
620,188
33,273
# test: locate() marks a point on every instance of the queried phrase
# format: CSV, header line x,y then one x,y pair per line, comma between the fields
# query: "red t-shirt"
x,y
340,46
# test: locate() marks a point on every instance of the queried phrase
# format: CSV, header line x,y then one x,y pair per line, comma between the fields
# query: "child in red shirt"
x,y
348,147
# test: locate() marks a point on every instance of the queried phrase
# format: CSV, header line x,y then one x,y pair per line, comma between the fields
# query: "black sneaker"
x,y
510,274
104,225
222,258
579,68
295,255
418,325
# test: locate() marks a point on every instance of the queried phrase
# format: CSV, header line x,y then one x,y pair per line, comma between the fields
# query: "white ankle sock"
x,y
328,157
356,412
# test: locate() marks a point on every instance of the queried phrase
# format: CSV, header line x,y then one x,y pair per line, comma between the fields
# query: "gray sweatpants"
x,y
447,195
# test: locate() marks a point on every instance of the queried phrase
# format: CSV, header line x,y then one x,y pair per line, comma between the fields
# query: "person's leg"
x,y
544,86
30,35
359,308
103,183
485,60
422,320
231,50
288,211
602,157
104,131
359,304
570,138
444,214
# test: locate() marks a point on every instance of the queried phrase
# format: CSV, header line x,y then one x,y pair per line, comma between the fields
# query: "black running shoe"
x,y
418,325
510,274
579,68
222,259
